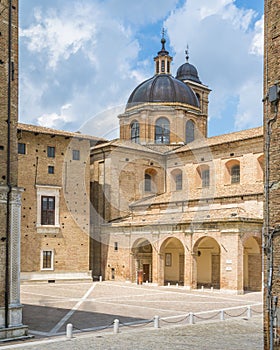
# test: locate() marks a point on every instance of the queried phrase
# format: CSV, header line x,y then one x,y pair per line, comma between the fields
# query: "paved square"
x,y
49,307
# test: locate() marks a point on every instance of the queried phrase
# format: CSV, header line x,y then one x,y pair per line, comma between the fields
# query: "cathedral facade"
x,y
171,205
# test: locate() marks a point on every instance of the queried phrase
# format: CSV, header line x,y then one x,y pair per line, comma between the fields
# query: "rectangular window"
x,y
51,169
51,152
205,178
21,148
116,246
47,260
148,183
179,182
162,66
47,210
76,154
235,174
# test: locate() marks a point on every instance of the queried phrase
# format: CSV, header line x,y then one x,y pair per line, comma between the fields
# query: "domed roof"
x,y
187,71
162,88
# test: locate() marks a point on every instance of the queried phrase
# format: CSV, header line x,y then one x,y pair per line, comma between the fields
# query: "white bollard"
x,y
222,315
202,288
212,289
249,314
191,318
116,326
69,331
156,322
100,278
168,284
177,285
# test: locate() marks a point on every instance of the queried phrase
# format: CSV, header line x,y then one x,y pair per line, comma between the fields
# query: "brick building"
x,y
170,204
272,173
10,195
54,172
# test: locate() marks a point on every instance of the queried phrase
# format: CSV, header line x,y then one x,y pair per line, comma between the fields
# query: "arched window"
x,y
235,174
162,131
148,183
135,131
203,176
232,172
190,131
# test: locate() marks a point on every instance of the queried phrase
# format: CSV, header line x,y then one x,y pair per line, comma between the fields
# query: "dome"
x,y
160,89
188,72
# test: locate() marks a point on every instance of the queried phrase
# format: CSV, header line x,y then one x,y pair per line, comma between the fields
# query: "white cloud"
x,y
225,46
61,35
53,120
86,53
257,42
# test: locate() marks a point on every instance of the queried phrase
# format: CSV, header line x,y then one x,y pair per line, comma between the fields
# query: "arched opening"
x,y
207,261
162,131
173,253
252,265
135,131
142,253
176,180
203,176
190,131
150,178
232,174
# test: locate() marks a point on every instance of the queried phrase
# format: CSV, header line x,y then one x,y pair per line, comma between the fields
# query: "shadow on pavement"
x,y
43,319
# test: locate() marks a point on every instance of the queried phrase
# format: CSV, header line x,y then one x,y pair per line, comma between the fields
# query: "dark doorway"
x,y
146,272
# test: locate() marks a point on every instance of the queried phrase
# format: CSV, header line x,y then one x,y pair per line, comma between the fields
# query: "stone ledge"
x,y
13,333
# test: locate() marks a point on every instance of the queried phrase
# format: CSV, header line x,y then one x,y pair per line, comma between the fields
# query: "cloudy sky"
x,y
81,59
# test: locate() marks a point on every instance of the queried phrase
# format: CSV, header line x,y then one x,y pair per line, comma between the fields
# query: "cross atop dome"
x,y
187,53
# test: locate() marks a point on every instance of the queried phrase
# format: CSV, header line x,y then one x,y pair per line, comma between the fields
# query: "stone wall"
x,y
69,181
4,56
272,151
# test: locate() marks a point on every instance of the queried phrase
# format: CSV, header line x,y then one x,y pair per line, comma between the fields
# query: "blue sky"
x,y
81,59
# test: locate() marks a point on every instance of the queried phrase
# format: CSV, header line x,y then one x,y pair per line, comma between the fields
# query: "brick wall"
x,y
4,44
70,239
272,203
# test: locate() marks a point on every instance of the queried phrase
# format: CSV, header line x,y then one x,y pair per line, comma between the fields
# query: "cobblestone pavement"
x,y
91,307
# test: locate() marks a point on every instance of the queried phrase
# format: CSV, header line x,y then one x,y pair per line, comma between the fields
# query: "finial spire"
x,y
163,60
187,53
163,41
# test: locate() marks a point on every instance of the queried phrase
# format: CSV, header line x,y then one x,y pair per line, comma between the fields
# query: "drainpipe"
x,y
8,214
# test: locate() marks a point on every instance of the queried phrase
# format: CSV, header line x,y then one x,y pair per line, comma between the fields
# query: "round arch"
x,y
142,261
207,256
162,130
135,131
173,253
252,265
